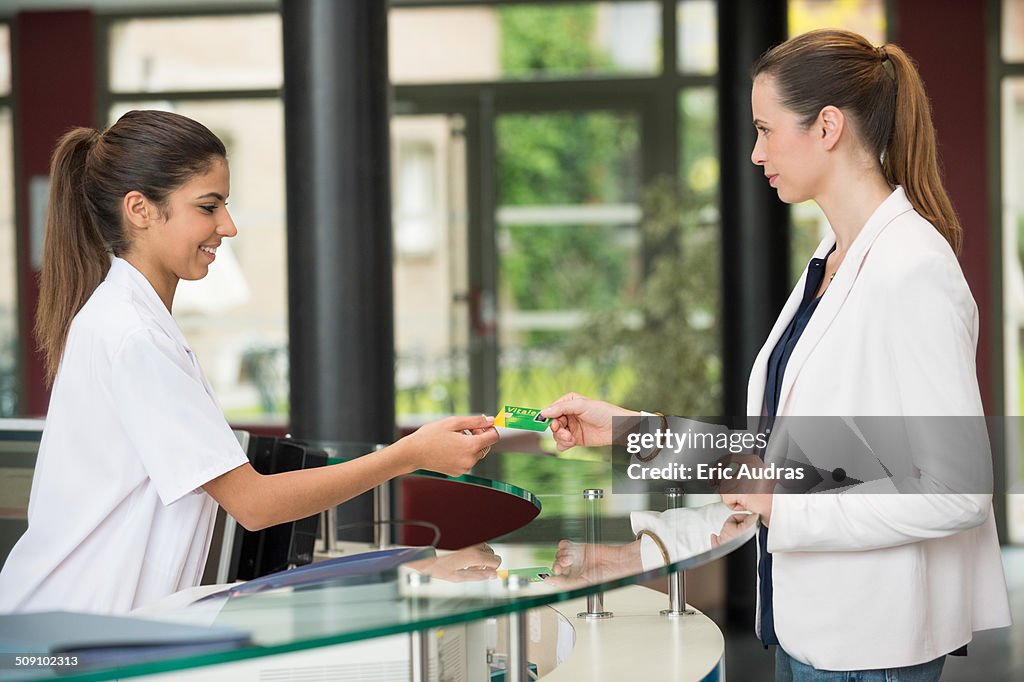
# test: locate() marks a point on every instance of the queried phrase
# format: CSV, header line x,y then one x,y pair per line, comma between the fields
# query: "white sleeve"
x,y
855,521
930,321
685,532
171,420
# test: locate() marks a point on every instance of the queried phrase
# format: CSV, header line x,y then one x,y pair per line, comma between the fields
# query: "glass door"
x,y
516,234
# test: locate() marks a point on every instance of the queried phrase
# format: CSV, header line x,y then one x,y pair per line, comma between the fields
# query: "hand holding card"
x,y
577,420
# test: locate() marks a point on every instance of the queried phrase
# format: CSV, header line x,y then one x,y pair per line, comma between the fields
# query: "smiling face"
x,y
179,240
790,154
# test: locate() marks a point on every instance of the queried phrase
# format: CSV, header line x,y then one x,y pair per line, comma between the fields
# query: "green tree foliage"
x,y
550,40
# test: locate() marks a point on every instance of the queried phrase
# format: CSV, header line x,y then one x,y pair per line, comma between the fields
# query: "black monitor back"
x,y
259,553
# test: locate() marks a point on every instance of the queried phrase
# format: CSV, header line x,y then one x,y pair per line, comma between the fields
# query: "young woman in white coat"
x,y
881,323
135,452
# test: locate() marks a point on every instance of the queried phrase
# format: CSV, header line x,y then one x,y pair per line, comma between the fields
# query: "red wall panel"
x,y
947,40
55,81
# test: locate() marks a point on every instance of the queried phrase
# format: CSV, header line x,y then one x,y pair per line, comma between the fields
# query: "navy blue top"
x,y
777,362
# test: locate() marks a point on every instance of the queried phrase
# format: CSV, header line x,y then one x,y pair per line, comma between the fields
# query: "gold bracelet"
x,y
657,451
658,542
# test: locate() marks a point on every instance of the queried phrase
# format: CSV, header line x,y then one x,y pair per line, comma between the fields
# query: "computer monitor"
x,y
259,553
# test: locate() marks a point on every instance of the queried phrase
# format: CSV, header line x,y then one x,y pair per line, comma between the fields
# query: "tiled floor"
x,y
995,655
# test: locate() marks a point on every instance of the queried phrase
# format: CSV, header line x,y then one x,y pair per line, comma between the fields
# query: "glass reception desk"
x,y
445,620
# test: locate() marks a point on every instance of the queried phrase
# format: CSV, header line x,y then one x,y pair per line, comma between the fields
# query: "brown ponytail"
x,y
153,152
75,258
911,157
881,92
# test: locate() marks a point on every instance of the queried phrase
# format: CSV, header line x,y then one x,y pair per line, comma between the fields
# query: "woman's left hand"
x,y
733,527
759,503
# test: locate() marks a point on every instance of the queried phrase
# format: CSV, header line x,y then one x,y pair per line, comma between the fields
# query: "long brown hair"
x,y
153,152
882,92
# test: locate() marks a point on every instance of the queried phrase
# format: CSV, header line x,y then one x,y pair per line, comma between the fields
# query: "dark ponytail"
x,y
153,152
881,92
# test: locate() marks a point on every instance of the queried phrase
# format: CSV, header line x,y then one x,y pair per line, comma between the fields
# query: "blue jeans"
x,y
788,669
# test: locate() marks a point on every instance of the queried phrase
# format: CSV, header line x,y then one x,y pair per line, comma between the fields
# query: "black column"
x,y
339,222
755,235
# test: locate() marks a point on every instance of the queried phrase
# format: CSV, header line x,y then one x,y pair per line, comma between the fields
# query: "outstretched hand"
x,y
445,447
578,420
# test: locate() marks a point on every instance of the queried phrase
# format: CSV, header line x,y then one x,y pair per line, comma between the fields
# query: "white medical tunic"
x,y
117,516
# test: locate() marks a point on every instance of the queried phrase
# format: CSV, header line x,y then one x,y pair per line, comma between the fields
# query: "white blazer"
x,y
863,581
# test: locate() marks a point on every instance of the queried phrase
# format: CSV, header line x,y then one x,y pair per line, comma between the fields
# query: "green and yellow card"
x,y
533,575
521,418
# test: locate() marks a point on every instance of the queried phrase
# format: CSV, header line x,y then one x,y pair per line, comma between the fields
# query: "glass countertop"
x,y
449,590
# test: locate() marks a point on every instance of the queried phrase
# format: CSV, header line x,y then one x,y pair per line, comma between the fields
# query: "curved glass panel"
x,y
325,614
370,596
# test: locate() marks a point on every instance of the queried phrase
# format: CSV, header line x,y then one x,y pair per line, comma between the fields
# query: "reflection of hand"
x,y
734,526
442,446
587,564
576,420
478,562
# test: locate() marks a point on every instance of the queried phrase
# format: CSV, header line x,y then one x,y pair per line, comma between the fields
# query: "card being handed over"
x,y
521,418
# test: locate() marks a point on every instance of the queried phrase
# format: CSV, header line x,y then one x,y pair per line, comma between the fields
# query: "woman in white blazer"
x,y
136,454
881,323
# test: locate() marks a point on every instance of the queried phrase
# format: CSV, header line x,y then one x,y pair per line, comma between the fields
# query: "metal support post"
x,y
419,642
676,580
595,601
419,656
518,666
382,515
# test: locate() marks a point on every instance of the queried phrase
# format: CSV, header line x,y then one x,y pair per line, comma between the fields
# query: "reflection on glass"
x,y
8,273
523,41
866,17
5,59
568,248
236,318
697,36
428,189
237,52
1013,291
1013,30
662,538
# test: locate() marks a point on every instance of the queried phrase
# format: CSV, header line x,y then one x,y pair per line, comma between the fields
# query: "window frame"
x,y
106,98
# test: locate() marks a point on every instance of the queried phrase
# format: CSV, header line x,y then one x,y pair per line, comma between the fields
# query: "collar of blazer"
x,y
895,205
